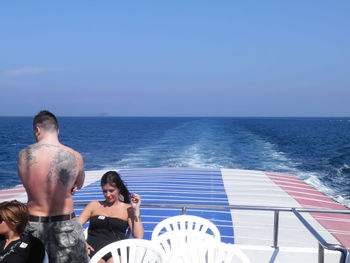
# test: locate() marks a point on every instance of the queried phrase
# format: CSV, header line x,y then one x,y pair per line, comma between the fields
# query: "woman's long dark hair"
x,y
113,178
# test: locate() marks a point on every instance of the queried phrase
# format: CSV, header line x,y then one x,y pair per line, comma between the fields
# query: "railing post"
x,y
320,253
275,229
184,210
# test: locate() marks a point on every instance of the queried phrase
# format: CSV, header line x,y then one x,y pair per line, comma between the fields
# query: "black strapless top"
x,y
104,230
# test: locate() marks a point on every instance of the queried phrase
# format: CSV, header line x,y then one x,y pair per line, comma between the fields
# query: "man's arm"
x,y
22,163
81,174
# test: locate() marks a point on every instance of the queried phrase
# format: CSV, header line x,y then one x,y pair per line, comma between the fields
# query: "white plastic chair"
x,y
186,223
132,251
209,252
172,242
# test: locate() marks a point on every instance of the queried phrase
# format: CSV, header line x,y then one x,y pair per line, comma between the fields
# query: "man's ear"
x,y
37,131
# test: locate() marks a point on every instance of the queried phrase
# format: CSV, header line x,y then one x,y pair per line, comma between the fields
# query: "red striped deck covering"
x,y
308,197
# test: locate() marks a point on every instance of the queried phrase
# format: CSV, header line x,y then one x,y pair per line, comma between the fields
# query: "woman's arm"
x,y
84,217
86,213
134,217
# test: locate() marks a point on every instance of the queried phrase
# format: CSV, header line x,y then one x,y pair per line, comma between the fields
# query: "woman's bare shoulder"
x,y
126,205
94,204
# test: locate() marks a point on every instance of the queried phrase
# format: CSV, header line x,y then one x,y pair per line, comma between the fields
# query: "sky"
x,y
175,58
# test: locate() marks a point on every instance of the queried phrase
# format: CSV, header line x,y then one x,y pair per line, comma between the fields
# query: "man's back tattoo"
x,y
27,155
63,168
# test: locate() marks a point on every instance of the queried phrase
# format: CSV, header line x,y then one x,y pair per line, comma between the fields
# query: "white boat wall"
x,y
252,209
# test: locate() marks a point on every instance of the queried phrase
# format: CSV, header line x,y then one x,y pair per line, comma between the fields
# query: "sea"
x,y
317,150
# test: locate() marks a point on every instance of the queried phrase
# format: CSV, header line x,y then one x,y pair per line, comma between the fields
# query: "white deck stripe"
x,y
245,221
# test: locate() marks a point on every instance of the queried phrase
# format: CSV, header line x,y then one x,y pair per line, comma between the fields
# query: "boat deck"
x,y
249,229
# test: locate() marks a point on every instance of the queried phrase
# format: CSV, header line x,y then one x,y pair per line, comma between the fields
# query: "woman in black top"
x,y
110,218
16,247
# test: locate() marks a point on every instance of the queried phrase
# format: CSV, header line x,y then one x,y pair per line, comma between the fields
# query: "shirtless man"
x,y
51,173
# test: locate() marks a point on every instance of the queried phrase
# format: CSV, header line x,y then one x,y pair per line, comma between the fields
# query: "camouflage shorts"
x,y
64,240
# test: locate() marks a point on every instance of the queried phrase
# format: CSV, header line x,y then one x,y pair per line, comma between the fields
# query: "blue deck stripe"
x,y
175,186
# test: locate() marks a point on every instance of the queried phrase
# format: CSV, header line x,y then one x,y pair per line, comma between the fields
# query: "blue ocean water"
x,y
317,150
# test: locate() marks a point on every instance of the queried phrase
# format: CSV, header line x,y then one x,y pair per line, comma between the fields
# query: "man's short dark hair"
x,y
45,120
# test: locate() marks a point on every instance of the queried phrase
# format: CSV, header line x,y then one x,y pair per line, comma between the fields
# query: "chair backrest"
x,y
173,242
186,223
209,252
132,251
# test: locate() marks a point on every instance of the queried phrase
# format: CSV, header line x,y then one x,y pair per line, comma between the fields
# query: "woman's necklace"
x,y
12,249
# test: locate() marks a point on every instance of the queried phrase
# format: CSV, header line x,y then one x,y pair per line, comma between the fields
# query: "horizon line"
x,y
175,116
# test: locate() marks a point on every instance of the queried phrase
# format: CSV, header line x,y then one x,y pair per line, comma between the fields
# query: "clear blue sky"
x,y
175,58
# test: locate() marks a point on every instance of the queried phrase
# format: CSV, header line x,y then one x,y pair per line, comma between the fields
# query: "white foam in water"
x,y
277,161
193,158
342,169
202,149
311,178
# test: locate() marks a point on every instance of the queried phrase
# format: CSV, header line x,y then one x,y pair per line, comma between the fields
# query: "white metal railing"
x,y
296,211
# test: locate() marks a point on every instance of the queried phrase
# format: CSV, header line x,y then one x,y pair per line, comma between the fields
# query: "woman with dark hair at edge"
x,y
110,218
15,246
